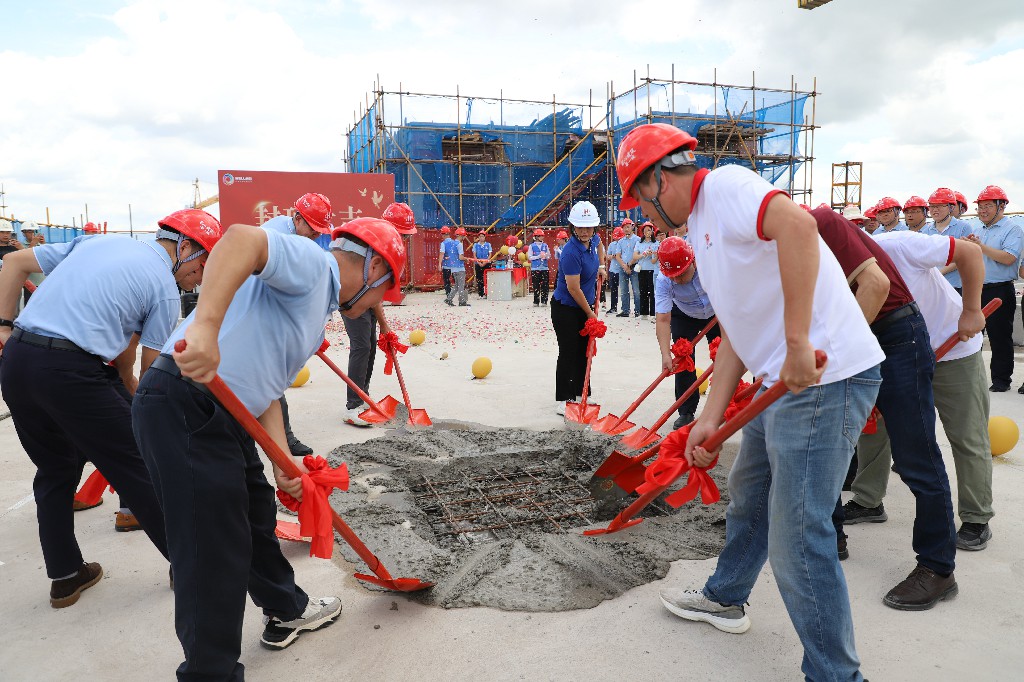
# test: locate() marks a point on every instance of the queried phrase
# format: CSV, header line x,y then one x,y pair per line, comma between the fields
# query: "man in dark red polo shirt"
x,y
905,399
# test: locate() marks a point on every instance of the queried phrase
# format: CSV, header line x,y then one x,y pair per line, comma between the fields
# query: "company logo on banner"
x,y
254,197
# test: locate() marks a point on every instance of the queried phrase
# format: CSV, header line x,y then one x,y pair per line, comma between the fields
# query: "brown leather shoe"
x,y
922,589
126,522
82,506
67,591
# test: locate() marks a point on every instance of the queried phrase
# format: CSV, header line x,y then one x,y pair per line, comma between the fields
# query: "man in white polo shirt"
x,y
779,294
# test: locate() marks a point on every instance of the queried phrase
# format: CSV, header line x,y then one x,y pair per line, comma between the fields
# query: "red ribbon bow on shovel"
x,y
682,349
391,347
595,329
713,348
314,510
736,405
671,464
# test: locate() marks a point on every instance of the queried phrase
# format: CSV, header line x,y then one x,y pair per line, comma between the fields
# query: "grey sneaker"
x,y
693,605
321,611
973,536
855,513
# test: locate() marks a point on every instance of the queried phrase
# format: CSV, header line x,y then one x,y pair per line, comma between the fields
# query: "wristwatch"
x,y
6,323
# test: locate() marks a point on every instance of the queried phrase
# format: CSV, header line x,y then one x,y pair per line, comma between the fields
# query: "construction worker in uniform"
x,y
629,279
888,214
871,224
614,266
539,253
312,218
446,271
779,294
915,213
261,317
682,309
942,204
1001,241
482,256
68,381
33,238
362,330
961,205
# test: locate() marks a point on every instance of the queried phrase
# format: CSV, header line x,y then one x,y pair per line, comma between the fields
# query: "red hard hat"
x,y
992,193
648,223
382,237
805,207
617,233
90,228
538,232
401,216
460,232
885,203
643,147
915,202
316,210
674,256
942,195
626,221
511,240
195,224
961,199
871,212
446,230
562,234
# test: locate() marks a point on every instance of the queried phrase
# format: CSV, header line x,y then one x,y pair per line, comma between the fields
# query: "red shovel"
x,y
417,417
625,518
613,425
234,406
581,412
379,412
642,437
91,493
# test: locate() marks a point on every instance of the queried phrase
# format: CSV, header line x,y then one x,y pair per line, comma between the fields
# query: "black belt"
x,y
47,341
895,316
994,285
165,363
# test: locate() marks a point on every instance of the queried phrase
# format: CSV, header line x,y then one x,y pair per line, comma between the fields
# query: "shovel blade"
x,y
610,424
582,414
640,439
286,530
615,463
396,584
631,478
418,417
604,490
388,406
610,529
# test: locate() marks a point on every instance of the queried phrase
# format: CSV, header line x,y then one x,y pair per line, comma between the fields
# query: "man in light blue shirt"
x,y
255,331
482,251
614,268
68,404
682,309
888,216
452,258
1001,241
539,253
629,279
941,205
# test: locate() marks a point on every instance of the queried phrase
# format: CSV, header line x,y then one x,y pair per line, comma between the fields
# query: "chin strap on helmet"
x,y
178,238
683,157
342,244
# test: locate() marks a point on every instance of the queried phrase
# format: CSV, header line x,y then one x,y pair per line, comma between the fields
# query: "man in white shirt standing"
x,y
779,294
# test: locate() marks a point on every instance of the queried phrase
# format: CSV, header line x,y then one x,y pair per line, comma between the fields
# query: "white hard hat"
x,y
851,212
30,225
5,225
584,214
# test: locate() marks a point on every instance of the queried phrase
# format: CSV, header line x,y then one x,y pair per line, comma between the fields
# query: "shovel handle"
x,y
591,351
351,384
954,339
226,397
682,399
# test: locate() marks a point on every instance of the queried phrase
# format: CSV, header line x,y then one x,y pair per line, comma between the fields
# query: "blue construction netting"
x,y
53,234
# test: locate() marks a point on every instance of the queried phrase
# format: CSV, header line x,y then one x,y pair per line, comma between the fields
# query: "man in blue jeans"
x,y
629,276
779,294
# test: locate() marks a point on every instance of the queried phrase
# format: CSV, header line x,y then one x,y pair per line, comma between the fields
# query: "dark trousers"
x,y
446,277
613,287
362,337
568,321
1000,331
907,404
69,407
646,292
539,278
220,514
479,271
686,327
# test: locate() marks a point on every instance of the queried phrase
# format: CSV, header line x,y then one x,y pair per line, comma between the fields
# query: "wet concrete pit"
x,y
494,517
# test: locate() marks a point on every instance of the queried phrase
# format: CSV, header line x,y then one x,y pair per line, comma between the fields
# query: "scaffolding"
x,y
847,182
499,163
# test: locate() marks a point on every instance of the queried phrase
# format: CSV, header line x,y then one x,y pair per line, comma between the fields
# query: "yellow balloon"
x,y
522,256
481,367
1003,434
703,387
417,336
301,378
519,244
504,249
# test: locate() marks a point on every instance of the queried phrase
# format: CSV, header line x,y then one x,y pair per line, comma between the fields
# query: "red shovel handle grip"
x,y
948,344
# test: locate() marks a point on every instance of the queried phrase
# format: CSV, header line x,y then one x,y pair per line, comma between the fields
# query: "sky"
x,y
111,103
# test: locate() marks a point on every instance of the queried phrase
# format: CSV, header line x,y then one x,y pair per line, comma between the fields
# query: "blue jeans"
x,y
625,282
783,487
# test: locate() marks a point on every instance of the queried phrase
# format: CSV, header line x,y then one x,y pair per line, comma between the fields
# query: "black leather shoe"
x,y
921,590
1000,388
682,420
622,315
844,551
298,448
1021,389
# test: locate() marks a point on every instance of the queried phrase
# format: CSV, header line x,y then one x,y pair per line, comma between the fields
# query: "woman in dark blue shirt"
x,y
572,303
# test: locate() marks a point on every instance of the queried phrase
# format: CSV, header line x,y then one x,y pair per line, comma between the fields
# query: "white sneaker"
x,y
352,416
693,605
560,407
319,612
643,317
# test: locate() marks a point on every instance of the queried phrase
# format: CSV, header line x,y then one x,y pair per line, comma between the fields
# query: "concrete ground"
x,y
122,629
